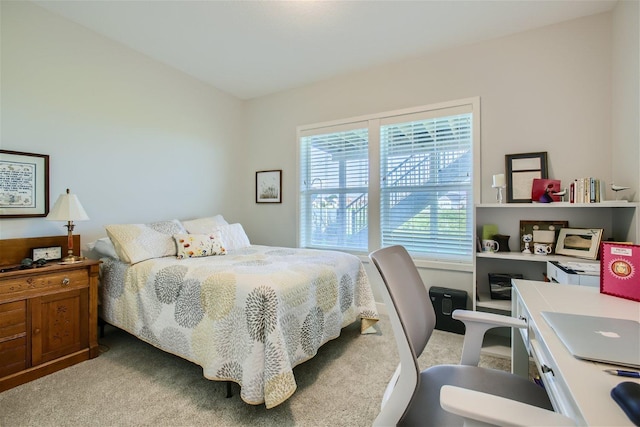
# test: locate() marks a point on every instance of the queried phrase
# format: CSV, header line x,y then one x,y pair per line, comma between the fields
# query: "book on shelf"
x,y
586,190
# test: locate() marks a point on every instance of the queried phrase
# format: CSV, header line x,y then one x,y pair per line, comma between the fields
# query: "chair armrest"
x,y
488,318
480,409
476,324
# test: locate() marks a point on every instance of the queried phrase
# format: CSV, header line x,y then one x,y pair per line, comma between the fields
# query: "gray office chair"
x,y
470,395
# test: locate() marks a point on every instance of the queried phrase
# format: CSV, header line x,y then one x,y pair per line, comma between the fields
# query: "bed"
x,y
244,313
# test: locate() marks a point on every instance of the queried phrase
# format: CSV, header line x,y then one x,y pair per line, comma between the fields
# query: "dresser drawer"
x,y
13,356
45,282
13,320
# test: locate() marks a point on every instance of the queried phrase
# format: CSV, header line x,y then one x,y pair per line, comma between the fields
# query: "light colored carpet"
x,y
135,384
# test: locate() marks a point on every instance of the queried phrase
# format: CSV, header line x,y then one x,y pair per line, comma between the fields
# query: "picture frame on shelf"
x,y
269,186
522,169
24,184
541,231
579,242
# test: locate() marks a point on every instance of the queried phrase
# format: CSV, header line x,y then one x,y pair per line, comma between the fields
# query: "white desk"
x,y
576,388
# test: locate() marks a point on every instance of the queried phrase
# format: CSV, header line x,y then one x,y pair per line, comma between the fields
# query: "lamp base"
x,y
70,259
499,194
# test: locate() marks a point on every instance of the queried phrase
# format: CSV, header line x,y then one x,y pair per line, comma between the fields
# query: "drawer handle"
x,y
36,331
546,370
65,281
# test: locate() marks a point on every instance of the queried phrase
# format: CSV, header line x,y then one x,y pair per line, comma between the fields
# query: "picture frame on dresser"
x,y
522,169
24,184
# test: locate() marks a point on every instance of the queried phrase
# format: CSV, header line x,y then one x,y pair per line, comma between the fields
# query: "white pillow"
x,y
204,225
139,242
104,247
199,245
233,236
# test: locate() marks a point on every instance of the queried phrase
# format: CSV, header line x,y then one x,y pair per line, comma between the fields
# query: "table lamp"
x,y
499,183
68,208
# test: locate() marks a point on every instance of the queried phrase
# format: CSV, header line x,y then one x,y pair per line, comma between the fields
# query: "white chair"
x,y
470,395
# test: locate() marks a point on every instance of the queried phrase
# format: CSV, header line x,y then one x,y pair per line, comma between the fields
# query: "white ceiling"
x,y
254,48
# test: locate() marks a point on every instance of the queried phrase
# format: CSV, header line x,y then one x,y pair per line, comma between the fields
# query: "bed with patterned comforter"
x,y
249,316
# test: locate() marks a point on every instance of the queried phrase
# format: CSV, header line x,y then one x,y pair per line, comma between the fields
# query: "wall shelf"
x,y
617,218
557,205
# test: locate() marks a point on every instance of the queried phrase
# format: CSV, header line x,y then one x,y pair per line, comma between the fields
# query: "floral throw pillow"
x,y
199,245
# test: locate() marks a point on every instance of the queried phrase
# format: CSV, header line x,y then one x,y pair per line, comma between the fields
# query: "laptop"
x,y
599,339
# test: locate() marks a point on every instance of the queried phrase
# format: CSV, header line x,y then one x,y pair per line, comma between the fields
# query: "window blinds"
x,y
426,184
334,177
422,160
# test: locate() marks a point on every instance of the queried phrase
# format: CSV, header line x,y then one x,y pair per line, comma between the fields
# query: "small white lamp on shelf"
x,y
68,208
499,183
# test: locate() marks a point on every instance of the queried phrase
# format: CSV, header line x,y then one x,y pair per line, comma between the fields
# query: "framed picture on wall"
x,y
269,186
24,184
522,169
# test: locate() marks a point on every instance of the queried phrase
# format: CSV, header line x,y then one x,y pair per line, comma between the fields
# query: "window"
x,y
334,188
419,193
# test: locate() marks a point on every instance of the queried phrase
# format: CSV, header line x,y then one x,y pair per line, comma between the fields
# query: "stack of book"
x,y
586,190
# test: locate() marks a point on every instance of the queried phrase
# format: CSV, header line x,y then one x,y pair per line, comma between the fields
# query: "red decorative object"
x,y
542,190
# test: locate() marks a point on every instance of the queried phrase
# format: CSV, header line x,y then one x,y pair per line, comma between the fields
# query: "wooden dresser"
x,y
48,315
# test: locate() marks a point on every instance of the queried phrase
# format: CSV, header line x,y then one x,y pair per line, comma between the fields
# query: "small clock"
x,y
53,252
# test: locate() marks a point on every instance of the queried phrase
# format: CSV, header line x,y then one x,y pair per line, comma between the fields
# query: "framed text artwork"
x,y
269,186
24,184
522,169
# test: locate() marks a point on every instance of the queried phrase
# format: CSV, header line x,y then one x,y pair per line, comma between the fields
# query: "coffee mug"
x,y
490,246
541,249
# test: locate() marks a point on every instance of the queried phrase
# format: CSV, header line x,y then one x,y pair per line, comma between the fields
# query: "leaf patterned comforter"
x,y
249,316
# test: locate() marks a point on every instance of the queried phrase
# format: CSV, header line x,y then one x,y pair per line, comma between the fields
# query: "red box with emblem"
x,y
620,270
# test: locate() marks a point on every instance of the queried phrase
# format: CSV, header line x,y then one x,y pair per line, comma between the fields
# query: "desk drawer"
x,y
48,281
520,312
556,389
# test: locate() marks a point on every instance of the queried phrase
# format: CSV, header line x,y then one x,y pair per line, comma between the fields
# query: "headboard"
x,y
12,251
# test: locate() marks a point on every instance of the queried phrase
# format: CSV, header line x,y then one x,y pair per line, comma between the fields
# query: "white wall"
x,y
547,89
625,110
543,90
135,140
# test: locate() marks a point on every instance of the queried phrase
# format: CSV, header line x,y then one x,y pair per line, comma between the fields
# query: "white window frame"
x,y
374,120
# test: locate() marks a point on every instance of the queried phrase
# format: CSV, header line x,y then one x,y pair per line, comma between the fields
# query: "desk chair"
x,y
470,395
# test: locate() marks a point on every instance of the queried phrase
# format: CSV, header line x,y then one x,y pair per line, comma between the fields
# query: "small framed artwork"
x,y
579,242
522,169
546,232
24,184
269,186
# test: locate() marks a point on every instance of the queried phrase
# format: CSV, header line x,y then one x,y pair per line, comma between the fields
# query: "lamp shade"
x,y
67,208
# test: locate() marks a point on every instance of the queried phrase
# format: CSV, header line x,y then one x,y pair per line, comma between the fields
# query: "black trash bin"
x,y
445,301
